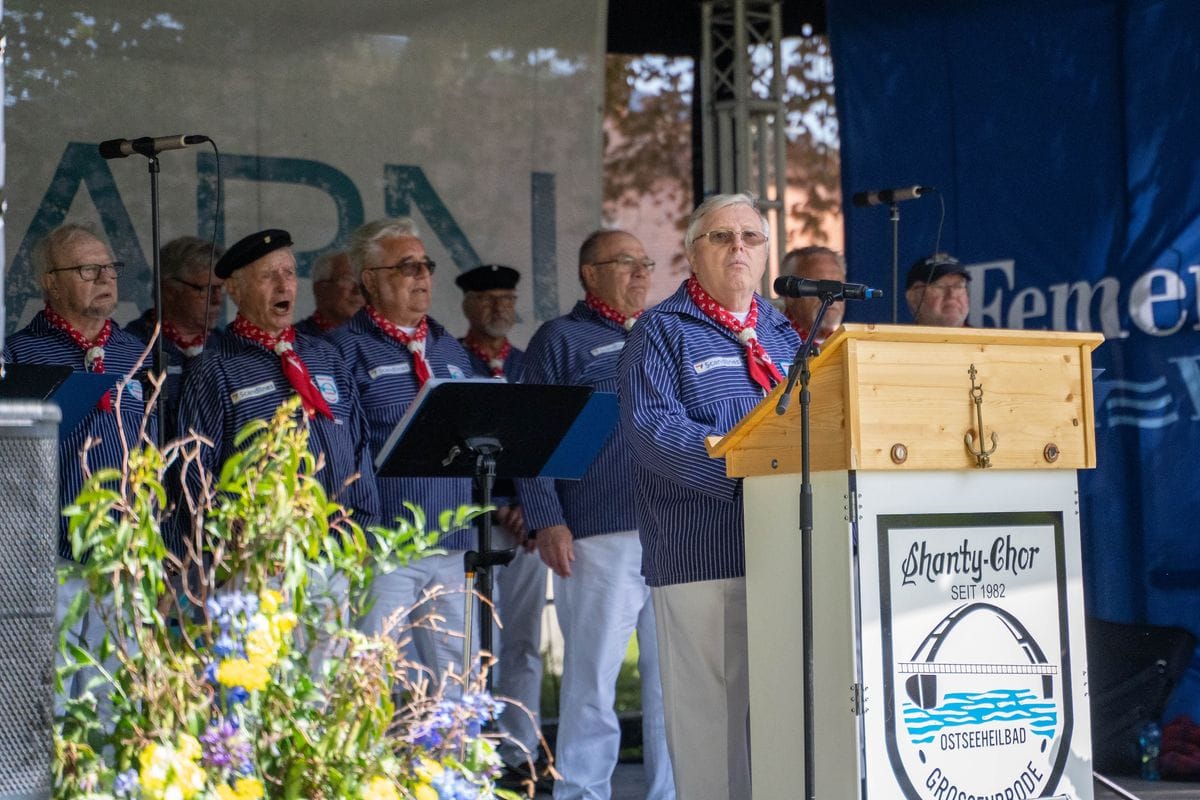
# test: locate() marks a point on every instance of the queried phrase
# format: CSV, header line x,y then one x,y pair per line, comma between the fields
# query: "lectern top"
x,y
901,397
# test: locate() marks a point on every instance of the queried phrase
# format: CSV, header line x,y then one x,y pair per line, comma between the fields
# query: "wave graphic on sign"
x,y
964,709
1142,404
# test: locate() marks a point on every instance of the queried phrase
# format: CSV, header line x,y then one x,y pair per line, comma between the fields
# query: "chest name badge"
x,y
250,392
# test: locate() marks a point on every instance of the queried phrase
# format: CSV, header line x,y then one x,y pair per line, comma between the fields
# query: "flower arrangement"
x,y
229,670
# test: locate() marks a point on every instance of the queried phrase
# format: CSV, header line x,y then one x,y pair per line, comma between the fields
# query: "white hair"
x,y
42,255
364,244
715,203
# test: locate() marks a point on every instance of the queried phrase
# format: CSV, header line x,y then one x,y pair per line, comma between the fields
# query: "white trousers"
x,y
423,604
520,601
599,607
706,688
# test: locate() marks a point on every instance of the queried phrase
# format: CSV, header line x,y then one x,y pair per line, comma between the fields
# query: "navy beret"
x,y
928,270
489,276
250,249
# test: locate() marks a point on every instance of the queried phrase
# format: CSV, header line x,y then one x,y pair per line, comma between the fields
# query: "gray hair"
x,y
364,243
322,268
715,203
185,251
802,254
43,251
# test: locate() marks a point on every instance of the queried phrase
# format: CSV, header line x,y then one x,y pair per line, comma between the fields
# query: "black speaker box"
x,y
1131,672
28,554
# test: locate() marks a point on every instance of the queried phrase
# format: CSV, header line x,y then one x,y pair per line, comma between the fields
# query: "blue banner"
x,y
1063,140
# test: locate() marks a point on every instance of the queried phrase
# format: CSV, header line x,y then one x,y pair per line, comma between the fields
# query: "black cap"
x,y
250,249
488,276
929,269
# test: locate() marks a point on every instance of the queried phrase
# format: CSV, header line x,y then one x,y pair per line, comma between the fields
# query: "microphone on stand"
x,y
889,196
791,286
148,146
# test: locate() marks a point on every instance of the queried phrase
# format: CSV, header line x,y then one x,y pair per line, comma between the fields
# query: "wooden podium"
x,y
948,632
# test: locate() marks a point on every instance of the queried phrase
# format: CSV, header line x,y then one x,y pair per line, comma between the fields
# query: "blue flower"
x,y
450,785
224,745
126,783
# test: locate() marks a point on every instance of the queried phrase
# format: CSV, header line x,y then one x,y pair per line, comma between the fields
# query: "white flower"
x,y
417,346
747,335
93,355
193,351
496,363
630,322
282,347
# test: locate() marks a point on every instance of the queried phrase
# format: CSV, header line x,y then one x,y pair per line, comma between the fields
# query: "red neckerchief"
x,y
323,322
495,363
190,346
762,370
608,312
414,343
93,351
293,367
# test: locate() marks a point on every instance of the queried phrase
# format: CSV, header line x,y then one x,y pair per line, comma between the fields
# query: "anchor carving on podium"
x,y
983,458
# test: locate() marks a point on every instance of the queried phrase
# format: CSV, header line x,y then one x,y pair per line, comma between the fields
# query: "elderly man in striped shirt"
x,y
393,347
261,361
694,366
78,276
586,532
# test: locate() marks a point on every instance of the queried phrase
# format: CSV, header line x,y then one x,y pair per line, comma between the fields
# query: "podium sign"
x,y
949,652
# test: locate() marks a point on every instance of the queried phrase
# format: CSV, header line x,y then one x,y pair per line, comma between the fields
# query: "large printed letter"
x,y
302,171
80,163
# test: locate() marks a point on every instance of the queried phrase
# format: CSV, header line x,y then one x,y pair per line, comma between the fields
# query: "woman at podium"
x,y
694,365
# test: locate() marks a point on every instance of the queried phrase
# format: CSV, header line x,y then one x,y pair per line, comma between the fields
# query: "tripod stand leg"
x,y
1114,786
468,626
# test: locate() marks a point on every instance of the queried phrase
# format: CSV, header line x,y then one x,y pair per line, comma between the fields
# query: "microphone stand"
x,y
477,564
895,220
160,361
799,371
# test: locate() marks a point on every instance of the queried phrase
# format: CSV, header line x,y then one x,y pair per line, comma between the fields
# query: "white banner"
x,y
479,118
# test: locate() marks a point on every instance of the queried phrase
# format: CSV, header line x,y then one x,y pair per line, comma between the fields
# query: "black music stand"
x,y
75,393
487,429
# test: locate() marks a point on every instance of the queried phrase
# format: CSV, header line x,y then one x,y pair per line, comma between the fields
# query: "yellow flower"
x,y
381,788
226,792
240,672
262,647
168,773
269,601
427,769
424,791
249,789
189,747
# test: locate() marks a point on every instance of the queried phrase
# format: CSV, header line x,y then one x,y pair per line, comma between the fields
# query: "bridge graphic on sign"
x,y
923,669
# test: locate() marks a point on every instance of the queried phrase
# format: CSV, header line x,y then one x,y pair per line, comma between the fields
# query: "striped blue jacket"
x,y
382,370
682,378
581,349
240,381
42,343
143,329
512,365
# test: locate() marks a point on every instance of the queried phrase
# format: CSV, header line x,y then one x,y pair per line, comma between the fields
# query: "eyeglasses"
x,y
409,268
214,290
628,264
90,272
723,237
946,288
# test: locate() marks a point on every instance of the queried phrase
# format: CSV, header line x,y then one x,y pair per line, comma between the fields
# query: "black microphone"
x,y
791,286
889,196
147,146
